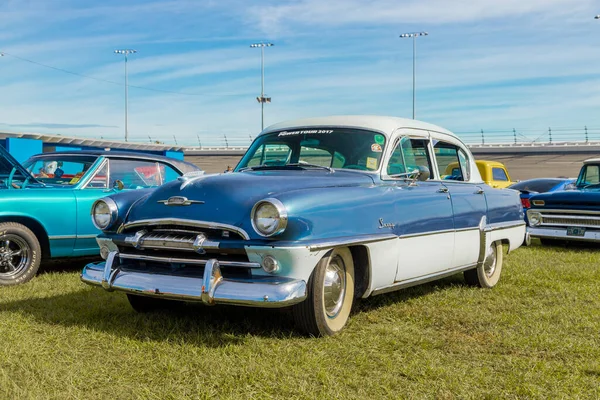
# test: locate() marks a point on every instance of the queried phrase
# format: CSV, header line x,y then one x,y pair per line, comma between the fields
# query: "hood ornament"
x,y
179,201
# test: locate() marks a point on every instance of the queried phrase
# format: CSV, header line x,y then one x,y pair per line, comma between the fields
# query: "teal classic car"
x,y
45,203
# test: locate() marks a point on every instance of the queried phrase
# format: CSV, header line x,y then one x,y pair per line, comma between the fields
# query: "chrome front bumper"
x,y
561,233
212,288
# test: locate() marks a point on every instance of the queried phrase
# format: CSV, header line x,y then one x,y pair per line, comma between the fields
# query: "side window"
x,y
452,162
590,175
408,155
100,179
270,154
315,156
136,174
498,174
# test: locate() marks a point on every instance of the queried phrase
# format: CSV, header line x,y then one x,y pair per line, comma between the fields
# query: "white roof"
x,y
592,161
385,125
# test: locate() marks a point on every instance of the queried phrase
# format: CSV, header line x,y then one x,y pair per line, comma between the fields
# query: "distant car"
x,y
540,185
572,215
493,173
318,213
45,203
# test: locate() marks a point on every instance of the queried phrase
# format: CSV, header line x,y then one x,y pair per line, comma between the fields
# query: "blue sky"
x,y
525,64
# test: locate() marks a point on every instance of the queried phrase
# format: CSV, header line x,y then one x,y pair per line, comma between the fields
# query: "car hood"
x,y
8,163
569,199
229,198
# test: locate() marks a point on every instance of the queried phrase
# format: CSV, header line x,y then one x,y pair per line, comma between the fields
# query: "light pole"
x,y
262,99
126,52
414,36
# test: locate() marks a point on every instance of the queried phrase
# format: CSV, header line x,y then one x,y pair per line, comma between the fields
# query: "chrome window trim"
x,y
96,171
184,222
283,216
394,141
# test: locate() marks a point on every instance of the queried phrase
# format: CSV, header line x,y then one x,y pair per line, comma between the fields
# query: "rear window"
x,y
498,174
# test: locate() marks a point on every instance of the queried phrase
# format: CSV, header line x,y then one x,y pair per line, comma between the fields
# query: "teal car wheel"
x,y
20,254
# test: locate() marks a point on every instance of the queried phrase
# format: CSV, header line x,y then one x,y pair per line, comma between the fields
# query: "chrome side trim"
x,y
421,280
413,235
505,225
176,260
86,236
349,241
61,237
184,222
482,240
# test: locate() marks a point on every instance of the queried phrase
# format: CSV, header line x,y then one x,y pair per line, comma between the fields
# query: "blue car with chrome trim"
x,y
568,216
318,213
45,203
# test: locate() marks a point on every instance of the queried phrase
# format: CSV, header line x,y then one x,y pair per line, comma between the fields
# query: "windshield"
x,y
316,147
59,170
589,176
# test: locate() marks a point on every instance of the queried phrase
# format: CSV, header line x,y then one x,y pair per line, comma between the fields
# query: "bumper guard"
x,y
211,289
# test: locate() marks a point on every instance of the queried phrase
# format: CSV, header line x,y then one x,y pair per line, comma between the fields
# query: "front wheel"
x,y
330,295
487,275
20,254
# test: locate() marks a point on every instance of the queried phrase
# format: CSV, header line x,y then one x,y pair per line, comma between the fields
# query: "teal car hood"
x,y
8,163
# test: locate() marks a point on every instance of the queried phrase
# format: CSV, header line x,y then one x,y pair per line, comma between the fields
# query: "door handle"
x,y
479,191
443,190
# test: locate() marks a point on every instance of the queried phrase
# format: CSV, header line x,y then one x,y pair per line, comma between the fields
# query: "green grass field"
x,y
536,335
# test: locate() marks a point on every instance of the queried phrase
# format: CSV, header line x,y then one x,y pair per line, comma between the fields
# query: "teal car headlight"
x,y
269,217
104,213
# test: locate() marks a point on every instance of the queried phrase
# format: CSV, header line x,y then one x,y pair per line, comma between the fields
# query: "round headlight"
x,y
269,217
104,213
535,218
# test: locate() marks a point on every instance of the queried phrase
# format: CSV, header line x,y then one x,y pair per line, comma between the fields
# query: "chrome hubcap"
x,y
489,265
334,286
14,255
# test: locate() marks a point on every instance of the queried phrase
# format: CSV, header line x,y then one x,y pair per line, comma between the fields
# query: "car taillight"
x,y
526,203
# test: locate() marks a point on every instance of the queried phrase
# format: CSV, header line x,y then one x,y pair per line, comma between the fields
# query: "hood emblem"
x,y
179,201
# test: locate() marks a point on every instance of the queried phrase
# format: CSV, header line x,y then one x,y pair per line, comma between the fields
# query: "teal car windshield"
x,y
60,170
317,147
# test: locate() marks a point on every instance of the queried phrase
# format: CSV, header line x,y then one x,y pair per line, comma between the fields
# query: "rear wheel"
x,y
20,254
330,295
488,274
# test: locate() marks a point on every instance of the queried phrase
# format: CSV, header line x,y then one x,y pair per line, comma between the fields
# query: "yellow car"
x,y
493,173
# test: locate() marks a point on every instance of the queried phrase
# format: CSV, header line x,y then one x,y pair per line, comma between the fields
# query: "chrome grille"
x,y
168,241
564,220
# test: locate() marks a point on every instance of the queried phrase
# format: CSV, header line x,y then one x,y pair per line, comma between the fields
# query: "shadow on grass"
x,y
65,264
97,310
402,295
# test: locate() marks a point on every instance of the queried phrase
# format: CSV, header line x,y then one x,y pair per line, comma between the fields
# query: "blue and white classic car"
x,y
318,212
572,215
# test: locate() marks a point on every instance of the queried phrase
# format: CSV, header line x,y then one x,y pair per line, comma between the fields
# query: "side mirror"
x,y
423,173
118,185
